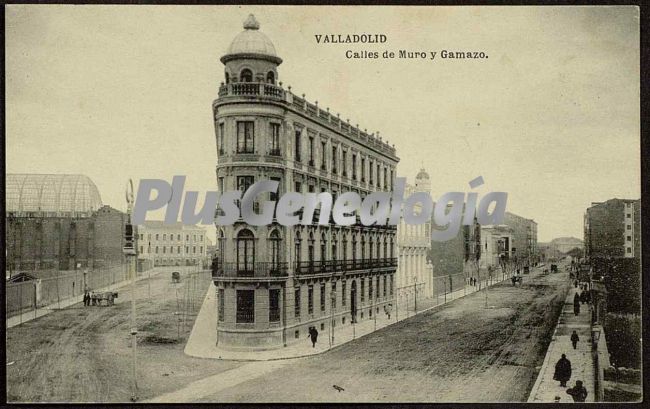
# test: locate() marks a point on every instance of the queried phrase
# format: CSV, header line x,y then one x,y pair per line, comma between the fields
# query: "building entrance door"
x,y
353,301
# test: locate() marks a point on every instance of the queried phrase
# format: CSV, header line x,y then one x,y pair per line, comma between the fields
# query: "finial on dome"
x,y
251,23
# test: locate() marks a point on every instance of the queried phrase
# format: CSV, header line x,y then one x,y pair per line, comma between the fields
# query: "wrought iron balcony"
x,y
333,266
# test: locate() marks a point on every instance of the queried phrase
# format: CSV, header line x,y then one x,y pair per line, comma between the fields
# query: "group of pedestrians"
x,y
563,365
87,298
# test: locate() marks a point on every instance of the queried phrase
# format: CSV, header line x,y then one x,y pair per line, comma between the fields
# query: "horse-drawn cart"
x,y
517,279
109,297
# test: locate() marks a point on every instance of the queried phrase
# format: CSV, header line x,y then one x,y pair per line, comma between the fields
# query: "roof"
x,y
251,43
51,194
422,174
159,224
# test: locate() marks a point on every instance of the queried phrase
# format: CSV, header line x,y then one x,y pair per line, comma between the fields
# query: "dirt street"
x,y
83,354
460,352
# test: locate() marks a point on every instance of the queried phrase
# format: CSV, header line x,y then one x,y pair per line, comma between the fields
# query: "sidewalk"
x,y
202,340
582,364
37,313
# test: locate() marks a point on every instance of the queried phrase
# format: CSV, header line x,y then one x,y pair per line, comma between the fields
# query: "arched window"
x,y
270,77
385,248
392,247
222,245
345,247
363,247
245,252
354,249
298,248
274,253
334,246
246,75
310,252
227,78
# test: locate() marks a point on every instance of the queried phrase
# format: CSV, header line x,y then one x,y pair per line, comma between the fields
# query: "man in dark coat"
x,y
562,371
574,339
578,392
313,334
576,304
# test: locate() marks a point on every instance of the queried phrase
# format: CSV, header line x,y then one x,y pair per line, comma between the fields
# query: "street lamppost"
x,y
332,304
415,294
129,252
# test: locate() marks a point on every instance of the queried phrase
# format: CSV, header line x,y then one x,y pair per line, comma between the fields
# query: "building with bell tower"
x,y
274,282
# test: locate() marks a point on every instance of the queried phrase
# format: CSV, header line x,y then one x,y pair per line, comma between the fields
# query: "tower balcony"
x,y
251,89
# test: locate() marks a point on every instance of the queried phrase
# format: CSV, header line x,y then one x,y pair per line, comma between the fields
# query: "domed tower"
x,y
422,181
251,56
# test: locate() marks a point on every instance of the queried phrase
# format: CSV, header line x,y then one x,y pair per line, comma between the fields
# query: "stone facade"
x,y
414,244
524,238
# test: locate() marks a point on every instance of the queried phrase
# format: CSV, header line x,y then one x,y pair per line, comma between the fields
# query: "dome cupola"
x,y
251,44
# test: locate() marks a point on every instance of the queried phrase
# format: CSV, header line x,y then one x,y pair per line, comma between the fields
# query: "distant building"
x,y
175,244
414,244
496,244
613,229
59,222
524,238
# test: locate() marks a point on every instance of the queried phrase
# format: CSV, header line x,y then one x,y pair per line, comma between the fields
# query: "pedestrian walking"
x,y
313,334
575,284
85,298
576,304
562,371
388,309
574,339
578,392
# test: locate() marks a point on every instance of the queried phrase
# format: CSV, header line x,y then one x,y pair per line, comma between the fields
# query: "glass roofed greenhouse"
x,y
39,195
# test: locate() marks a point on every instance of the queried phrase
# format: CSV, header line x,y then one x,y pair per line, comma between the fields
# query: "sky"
x,y
551,116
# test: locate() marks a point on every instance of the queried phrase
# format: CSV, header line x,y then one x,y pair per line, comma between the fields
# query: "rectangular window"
x,y
296,303
200,249
221,138
157,237
245,136
391,179
629,249
245,306
178,250
363,289
164,237
323,164
194,249
370,173
629,238
629,227
273,196
275,140
391,285
384,289
354,167
370,287
385,178
274,305
164,249
297,153
333,298
298,187
244,182
377,287
344,163
334,159
141,250
322,297
310,300
178,237
221,304
311,151
378,174
220,186
629,215
343,293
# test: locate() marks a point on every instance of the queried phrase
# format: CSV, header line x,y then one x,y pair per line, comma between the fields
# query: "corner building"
x,y
274,282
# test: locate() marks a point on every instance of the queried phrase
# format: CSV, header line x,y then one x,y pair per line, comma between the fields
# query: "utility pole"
x,y
129,252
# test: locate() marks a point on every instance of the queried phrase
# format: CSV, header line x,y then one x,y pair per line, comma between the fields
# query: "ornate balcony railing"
x,y
333,266
252,270
251,89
